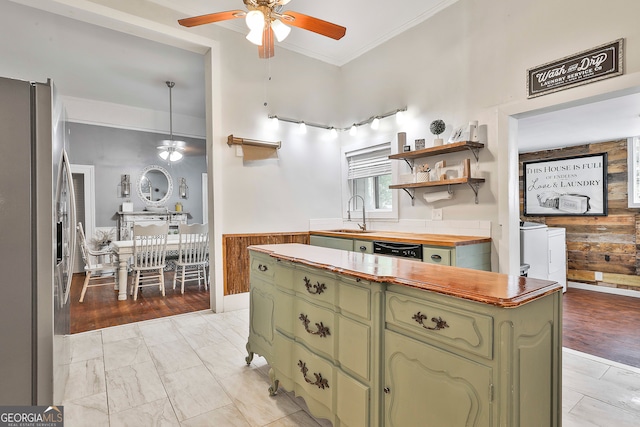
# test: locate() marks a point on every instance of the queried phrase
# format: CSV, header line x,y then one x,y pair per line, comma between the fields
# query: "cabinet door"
x,y
261,318
429,387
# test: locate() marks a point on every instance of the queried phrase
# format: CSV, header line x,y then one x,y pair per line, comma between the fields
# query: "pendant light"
x,y
171,150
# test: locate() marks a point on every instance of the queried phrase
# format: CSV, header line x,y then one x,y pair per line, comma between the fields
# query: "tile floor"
x,y
189,370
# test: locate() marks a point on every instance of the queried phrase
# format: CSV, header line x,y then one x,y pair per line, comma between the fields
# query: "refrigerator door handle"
x,y
72,225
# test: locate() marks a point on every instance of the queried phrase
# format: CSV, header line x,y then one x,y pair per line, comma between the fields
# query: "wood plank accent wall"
x,y
235,256
608,244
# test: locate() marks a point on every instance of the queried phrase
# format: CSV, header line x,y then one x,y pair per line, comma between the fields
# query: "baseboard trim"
x,y
236,302
604,289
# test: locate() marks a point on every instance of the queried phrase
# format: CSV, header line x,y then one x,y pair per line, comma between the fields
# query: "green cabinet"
x,y
453,362
476,256
331,242
364,353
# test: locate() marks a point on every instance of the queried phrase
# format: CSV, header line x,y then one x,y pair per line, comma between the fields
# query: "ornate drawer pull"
x,y
440,324
318,288
322,331
320,382
262,268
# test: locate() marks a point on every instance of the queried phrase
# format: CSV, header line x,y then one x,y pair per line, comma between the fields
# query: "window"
x,y
633,170
369,176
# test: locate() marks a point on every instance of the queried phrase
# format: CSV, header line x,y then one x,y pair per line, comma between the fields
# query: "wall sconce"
x,y
183,189
125,185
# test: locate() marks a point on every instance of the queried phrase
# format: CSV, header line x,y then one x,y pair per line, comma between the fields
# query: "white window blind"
x,y
369,162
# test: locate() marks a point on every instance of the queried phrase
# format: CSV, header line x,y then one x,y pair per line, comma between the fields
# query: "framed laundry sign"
x,y
601,62
569,186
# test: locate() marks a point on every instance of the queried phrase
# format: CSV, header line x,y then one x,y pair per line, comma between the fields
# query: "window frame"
x,y
347,187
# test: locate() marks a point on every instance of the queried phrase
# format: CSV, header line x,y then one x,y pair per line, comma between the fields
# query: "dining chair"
x,y
193,255
98,265
149,252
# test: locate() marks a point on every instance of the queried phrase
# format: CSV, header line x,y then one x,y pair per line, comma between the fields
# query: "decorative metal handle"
x,y
320,382
318,287
262,268
322,331
436,257
440,324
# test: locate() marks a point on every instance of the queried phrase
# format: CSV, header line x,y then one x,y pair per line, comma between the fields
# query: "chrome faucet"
x,y
362,226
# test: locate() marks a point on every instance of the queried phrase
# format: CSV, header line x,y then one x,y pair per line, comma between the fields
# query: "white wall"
x,y
304,183
469,62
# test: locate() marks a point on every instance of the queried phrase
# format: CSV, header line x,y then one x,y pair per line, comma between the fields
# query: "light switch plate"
x,y
239,151
436,214
598,275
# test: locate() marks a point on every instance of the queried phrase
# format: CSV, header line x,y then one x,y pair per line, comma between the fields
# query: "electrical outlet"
x,y
436,214
599,276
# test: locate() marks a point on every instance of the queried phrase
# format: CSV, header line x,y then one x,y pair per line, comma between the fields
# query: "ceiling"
x,y
366,28
58,47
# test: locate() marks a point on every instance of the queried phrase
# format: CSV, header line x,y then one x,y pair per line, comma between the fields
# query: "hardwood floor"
x,y
603,325
101,307
596,323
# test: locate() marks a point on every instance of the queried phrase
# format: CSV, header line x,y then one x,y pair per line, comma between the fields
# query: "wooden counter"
x,y
481,286
447,240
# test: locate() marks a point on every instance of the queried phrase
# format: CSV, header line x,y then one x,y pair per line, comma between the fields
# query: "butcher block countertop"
x,y
481,286
447,240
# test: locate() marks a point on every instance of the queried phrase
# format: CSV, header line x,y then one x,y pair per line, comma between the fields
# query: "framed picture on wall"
x,y
568,186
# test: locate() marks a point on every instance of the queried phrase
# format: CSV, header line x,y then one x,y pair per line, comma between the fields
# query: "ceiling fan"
x,y
266,18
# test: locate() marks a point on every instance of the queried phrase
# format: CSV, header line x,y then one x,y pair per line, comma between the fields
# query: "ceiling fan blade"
x,y
211,17
266,50
316,25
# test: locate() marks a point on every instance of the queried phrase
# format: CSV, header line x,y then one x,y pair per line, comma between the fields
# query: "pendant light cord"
x,y
171,85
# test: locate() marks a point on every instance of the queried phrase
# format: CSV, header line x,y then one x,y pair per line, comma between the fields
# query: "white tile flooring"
x,y
189,370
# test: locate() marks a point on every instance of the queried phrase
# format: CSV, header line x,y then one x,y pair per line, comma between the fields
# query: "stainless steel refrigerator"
x,y
37,244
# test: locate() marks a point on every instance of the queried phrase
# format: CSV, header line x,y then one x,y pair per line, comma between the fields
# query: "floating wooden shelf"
x,y
474,183
442,149
452,181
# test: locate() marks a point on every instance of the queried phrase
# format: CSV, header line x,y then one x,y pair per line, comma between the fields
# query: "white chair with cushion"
x,y
193,255
149,251
99,265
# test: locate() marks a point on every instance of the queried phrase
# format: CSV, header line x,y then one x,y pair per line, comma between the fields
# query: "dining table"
x,y
124,252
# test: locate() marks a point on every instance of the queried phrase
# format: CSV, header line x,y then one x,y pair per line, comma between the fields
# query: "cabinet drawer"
x,y
315,287
321,383
316,327
364,246
441,256
462,329
262,266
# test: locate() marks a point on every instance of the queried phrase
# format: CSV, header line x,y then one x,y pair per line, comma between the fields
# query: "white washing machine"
x,y
545,250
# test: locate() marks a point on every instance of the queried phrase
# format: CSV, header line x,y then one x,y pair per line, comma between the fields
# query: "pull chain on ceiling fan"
x,y
266,19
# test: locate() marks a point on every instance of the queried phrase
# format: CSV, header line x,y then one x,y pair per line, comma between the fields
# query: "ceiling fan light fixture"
x,y
303,127
171,149
255,37
255,20
280,30
354,130
375,124
175,156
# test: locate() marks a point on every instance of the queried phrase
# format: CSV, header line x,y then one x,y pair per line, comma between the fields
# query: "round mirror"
x,y
155,185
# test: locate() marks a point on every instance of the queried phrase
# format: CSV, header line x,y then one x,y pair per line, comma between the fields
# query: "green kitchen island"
x,y
370,340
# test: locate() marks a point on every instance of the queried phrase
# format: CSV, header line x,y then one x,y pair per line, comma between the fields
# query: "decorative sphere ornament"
x,y
437,127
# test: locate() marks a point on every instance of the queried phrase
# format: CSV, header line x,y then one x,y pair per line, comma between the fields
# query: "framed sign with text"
x,y
570,186
589,66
